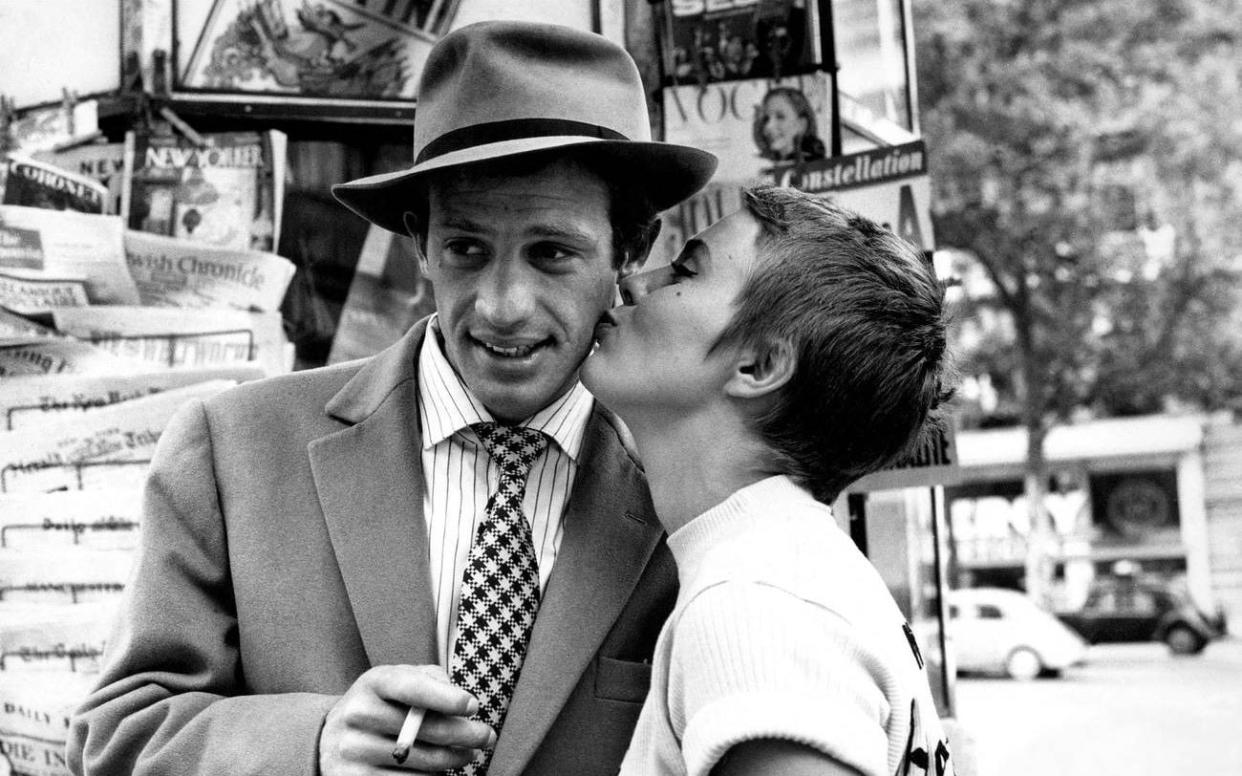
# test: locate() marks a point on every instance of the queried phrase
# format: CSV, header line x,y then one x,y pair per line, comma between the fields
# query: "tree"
x,y
1062,132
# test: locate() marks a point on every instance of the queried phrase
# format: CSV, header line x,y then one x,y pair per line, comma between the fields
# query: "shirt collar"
x,y
447,406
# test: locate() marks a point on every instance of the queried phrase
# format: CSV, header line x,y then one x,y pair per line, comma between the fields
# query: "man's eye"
x,y
463,249
550,252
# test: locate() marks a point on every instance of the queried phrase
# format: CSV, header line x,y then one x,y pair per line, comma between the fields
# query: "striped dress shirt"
x,y
459,476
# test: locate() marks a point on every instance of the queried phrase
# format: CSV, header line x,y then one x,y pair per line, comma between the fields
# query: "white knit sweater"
x,y
782,630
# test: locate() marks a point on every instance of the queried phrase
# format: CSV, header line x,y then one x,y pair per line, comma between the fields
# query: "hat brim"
x,y
670,173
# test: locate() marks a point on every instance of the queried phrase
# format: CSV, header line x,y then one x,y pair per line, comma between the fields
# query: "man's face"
x,y
658,354
522,270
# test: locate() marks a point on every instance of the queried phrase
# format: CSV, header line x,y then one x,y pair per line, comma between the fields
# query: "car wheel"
x,y
1023,664
1183,640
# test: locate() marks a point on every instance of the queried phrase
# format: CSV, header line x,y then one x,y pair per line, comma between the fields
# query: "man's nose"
x,y
637,286
505,294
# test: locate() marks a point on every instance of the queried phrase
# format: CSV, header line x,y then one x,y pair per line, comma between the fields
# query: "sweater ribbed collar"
x,y
747,507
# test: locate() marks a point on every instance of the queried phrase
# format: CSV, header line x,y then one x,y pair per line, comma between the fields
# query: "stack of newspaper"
x,y
105,331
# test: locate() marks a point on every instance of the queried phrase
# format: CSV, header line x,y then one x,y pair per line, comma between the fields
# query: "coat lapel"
x,y
370,484
610,533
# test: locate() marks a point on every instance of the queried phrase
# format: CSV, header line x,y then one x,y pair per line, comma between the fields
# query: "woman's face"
x,y
656,352
782,126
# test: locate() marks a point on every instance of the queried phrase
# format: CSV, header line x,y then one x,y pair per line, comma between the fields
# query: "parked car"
x,y
1120,609
996,630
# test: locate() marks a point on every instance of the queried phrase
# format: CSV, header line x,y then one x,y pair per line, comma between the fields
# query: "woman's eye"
x,y
681,270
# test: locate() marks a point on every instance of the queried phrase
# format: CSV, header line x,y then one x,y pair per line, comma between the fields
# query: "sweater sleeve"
x,y
752,661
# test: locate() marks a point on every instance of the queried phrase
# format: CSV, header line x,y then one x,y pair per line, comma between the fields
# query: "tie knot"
x,y
513,448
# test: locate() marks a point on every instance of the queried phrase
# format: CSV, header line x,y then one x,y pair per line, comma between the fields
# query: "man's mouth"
x,y
511,350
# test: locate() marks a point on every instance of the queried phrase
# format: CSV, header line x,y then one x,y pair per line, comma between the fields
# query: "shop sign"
x,y
933,462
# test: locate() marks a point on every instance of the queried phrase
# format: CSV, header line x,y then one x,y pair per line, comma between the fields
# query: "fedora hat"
x,y
498,89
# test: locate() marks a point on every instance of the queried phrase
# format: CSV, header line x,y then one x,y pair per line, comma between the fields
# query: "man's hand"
x,y
361,729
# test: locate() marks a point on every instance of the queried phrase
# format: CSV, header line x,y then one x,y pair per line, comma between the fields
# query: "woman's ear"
x,y
761,370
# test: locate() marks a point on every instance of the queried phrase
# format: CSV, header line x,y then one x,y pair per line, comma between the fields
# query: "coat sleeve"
x,y
172,697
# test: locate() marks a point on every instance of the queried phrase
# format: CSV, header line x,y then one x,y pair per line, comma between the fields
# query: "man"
x,y
453,526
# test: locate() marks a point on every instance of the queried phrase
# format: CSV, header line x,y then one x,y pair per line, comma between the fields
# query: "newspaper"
x,y
181,338
34,719
102,519
39,184
178,273
51,457
16,330
54,637
61,356
67,575
102,162
30,296
228,194
52,245
37,400
707,40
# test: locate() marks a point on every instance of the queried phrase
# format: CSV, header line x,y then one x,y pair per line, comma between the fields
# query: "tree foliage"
x,y
1069,139
1035,111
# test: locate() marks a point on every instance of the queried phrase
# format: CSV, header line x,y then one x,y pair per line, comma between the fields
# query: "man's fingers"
x,y
376,751
445,730
436,758
425,687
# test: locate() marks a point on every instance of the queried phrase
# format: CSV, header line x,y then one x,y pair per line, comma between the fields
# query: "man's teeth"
x,y
514,352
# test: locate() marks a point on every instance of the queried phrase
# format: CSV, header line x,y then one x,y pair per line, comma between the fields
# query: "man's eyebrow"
x,y
462,224
561,232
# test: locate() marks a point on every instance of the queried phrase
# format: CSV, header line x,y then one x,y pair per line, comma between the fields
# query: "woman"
x,y
784,128
791,348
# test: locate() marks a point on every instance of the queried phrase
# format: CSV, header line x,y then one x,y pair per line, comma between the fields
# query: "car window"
x,y
1142,602
989,612
1105,601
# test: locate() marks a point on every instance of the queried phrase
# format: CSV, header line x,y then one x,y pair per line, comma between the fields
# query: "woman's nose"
x,y
637,286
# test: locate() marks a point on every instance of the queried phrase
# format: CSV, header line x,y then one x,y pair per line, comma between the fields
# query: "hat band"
x,y
514,129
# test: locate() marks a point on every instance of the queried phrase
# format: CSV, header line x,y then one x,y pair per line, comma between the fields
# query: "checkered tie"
x,y
500,588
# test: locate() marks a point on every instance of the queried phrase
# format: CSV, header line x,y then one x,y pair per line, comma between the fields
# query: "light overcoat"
x,y
284,552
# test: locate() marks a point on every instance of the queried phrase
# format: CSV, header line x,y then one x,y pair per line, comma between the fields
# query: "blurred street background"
x,y
1131,709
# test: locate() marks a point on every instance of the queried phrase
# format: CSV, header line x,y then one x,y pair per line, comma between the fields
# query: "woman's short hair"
x,y
863,314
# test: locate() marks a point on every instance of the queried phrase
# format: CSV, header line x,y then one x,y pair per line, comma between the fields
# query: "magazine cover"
x,y
705,41
103,162
750,125
365,49
228,193
39,184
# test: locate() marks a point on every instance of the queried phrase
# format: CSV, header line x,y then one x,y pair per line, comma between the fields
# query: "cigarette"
x,y
409,731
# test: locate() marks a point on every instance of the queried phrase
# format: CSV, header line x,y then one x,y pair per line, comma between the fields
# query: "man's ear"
x,y
761,369
633,263
412,228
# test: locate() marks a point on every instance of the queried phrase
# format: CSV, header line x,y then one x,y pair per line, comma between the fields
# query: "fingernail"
x,y
472,707
491,739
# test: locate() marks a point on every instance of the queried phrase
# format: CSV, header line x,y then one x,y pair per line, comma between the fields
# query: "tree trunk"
x,y
1041,542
